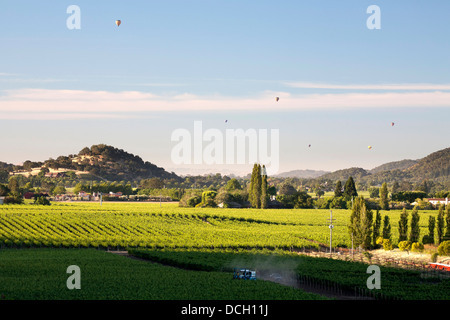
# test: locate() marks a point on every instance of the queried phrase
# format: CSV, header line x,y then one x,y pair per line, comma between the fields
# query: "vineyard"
x,y
211,241
147,225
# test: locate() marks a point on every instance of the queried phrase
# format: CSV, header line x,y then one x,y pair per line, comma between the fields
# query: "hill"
x,y
102,161
434,166
344,174
395,165
301,174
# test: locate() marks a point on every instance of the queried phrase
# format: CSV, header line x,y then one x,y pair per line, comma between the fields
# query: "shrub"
x,y
380,241
387,245
404,245
417,247
444,248
434,257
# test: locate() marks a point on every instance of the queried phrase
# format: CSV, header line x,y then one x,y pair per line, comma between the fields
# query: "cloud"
x,y
70,104
385,87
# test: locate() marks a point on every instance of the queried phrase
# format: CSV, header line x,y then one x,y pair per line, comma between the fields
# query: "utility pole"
x,y
331,229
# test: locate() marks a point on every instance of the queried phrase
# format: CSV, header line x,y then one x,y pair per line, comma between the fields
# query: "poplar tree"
x,y
264,194
447,220
415,228
338,189
376,228
350,189
387,228
403,226
384,201
360,226
440,224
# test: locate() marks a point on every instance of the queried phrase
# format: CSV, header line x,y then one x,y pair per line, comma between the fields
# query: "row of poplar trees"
x,y
257,194
365,230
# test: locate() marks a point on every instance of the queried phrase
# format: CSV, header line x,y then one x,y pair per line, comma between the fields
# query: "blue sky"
x,y
171,63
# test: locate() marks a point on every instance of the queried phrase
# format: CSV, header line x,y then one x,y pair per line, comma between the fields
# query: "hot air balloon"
x,y
277,98
226,121
392,124
370,147
309,146
118,22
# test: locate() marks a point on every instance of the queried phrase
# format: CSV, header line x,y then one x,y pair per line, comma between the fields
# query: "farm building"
x,y
437,201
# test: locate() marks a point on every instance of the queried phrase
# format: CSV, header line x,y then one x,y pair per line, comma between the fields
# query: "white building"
x,y
437,201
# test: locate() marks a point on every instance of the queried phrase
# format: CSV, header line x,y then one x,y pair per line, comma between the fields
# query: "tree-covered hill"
x,y
105,162
395,165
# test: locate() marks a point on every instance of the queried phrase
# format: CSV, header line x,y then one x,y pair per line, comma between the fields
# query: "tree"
x,y
415,228
338,189
384,201
374,192
264,194
429,238
360,226
440,224
403,226
447,228
376,227
395,187
59,190
386,228
233,184
350,189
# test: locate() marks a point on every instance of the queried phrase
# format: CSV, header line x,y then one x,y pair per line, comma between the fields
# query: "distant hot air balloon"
x,y
118,22
309,146
226,121
392,124
370,147
277,98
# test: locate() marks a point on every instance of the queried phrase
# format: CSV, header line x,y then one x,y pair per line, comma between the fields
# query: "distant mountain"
x,y
395,165
344,174
434,166
301,174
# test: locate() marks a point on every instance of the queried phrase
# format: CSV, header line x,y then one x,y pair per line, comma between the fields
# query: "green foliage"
x,y
374,192
386,228
384,200
434,257
361,223
387,245
415,227
409,196
403,226
404,245
42,201
429,238
350,189
338,189
232,185
444,248
417,247
440,227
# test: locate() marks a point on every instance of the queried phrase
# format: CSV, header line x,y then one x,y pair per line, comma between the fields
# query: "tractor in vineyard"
x,y
244,274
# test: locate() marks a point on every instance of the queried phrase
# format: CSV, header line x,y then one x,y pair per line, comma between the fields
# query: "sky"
x,y
172,64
